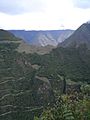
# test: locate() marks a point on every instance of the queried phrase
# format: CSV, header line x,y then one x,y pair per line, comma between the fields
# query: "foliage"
x,y
74,63
68,107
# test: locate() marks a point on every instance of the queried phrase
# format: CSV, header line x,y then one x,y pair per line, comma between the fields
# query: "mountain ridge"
x,y
43,37
7,36
80,36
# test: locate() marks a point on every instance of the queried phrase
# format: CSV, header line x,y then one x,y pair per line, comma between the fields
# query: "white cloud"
x,y
45,14
21,6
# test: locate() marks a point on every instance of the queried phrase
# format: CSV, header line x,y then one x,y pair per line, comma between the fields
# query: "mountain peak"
x,y
80,36
88,22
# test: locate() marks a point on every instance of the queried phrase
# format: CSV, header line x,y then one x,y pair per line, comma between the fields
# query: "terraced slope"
x,y
22,94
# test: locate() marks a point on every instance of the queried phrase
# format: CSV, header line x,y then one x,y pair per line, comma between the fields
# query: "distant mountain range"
x,y
80,36
7,37
43,38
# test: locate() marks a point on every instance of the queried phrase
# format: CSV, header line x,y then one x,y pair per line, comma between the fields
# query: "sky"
x,y
43,14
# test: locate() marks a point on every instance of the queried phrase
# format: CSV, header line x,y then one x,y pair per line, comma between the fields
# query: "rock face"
x,y
43,38
80,36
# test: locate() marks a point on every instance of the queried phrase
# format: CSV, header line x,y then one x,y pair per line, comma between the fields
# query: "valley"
x,y
43,83
43,38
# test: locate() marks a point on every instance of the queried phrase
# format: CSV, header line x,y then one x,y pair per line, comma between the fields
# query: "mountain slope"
x,y
5,35
27,48
73,63
80,36
29,82
22,93
43,38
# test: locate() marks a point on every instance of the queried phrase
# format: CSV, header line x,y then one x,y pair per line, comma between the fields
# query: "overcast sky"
x,y
43,14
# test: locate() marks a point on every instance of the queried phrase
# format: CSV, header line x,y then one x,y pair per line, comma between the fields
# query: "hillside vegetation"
x,y
80,36
44,87
5,35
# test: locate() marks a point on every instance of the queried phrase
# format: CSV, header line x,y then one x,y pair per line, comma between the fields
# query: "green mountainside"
x,y
29,83
20,90
73,63
5,35
80,36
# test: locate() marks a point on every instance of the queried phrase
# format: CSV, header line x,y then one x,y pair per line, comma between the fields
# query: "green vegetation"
x,y
5,35
53,86
68,107
21,95
73,63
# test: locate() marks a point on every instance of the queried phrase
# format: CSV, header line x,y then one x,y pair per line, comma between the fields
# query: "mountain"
x,y
80,36
43,38
5,35
8,37
27,48
73,63
31,82
22,93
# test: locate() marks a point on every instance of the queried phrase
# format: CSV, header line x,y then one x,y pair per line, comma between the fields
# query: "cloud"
x,y
42,14
21,6
84,4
